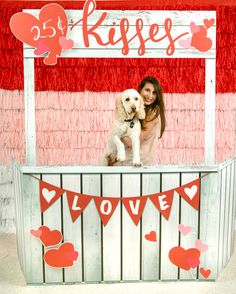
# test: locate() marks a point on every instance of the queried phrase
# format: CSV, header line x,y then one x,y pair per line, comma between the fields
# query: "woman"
x,y
152,127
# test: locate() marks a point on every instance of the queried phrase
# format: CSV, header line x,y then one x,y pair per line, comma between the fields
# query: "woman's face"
x,y
148,93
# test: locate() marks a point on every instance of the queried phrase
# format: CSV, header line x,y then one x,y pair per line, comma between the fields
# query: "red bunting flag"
x,y
191,193
48,194
135,207
163,202
106,206
77,203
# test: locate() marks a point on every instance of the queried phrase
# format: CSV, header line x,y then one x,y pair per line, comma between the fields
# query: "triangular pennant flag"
x,y
48,194
163,202
106,206
77,203
135,207
191,193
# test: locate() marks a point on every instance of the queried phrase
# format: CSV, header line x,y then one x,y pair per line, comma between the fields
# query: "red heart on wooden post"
x,y
152,236
205,273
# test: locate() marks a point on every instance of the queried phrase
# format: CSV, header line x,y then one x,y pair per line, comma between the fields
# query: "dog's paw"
x,y
121,157
137,164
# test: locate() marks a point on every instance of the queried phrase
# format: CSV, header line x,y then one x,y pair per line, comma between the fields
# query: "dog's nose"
x,y
133,108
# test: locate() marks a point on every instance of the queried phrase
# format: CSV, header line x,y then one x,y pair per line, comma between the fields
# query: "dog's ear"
x,y
141,112
120,112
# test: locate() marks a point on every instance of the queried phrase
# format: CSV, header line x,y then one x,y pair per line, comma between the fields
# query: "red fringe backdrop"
x,y
176,75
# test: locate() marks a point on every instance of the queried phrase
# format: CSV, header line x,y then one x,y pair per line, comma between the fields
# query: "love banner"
x,y
106,206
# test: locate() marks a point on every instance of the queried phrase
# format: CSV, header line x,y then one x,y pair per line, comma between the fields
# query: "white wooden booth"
x,y
118,251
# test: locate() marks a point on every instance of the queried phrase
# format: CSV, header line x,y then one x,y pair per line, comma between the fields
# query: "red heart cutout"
x,y
50,238
205,273
209,22
49,27
64,256
152,236
200,40
181,257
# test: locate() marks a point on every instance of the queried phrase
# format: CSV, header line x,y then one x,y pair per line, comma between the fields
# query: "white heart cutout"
x,y
48,195
191,192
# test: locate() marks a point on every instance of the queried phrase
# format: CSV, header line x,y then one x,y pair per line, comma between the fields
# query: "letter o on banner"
x,y
106,210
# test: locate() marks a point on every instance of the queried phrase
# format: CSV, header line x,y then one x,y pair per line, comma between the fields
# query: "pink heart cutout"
x,y
66,44
186,43
194,28
193,262
35,233
41,48
200,246
72,255
184,230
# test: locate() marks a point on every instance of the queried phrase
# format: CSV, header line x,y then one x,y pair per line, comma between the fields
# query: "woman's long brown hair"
x,y
157,107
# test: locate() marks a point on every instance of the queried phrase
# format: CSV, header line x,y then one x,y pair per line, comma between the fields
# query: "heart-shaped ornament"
x,y
186,43
200,41
194,28
66,44
184,230
191,192
152,236
209,22
43,32
205,273
200,246
48,195
36,233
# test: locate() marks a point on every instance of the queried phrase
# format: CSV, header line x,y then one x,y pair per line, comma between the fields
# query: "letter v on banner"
x,y
106,206
163,202
135,207
77,203
48,194
191,193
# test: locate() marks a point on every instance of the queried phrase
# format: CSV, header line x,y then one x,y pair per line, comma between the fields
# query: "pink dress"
x,y
148,147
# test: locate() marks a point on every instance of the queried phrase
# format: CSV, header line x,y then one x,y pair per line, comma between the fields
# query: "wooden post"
x,y
210,73
30,132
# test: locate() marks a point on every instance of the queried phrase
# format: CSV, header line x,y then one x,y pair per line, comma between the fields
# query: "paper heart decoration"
x,y
200,40
191,192
200,246
184,230
186,43
66,43
151,236
64,256
194,28
209,22
193,262
205,273
51,24
47,237
185,259
48,195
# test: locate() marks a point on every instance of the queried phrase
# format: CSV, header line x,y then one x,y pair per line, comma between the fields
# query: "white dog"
x,y
129,109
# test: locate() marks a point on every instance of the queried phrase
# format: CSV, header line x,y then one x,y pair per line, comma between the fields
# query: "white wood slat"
x,y
52,218
231,209
209,223
210,88
150,222
72,232
226,219
91,185
188,217
222,187
112,231
29,111
32,220
169,229
131,232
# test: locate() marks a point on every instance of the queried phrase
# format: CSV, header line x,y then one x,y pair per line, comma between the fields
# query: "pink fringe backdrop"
x,y
72,128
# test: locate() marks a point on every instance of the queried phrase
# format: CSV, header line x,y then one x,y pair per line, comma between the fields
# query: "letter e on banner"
x,y
163,202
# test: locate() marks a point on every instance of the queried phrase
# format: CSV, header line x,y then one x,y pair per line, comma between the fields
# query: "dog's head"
x,y
130,103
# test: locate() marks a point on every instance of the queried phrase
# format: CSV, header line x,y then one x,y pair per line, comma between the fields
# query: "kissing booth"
x,y
109,224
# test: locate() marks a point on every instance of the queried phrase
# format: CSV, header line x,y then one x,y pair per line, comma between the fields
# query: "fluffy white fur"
x,y
129,106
